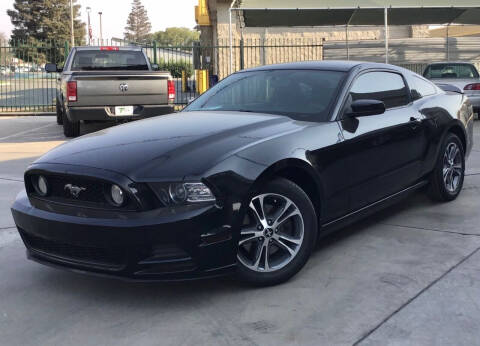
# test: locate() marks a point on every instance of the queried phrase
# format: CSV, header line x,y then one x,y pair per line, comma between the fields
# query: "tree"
x,y
138,25
176,37
41,23
3,51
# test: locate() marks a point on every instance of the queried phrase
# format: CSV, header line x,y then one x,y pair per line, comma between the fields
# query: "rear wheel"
x,y
447,177
70,128
278,234
59,113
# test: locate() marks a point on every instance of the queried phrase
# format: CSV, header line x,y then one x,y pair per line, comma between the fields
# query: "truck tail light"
x,y
171,90
72,91
109,48
473,86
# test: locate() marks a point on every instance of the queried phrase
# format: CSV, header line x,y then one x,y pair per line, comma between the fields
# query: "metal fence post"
x,y
242,54
66,51
155,52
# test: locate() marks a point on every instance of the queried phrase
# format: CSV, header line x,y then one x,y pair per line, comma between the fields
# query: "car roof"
x,y
450,63
135,48
326,65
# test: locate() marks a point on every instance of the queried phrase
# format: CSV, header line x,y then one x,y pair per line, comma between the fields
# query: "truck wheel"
x,y
59,113
70,128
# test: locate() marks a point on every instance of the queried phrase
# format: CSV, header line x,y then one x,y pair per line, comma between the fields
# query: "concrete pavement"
x,y
407,276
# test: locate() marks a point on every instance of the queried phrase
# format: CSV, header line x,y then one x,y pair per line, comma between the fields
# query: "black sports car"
x,y
248,176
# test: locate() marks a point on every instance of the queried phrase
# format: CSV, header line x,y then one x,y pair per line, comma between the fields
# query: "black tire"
x,y
295,194
70,128
438,190
59,113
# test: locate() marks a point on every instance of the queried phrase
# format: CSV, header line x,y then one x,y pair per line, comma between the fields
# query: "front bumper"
x,y
162,245
103,114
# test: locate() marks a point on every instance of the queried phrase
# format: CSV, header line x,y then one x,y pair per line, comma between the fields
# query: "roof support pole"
x,y
347,42
386,35
230,37
448,45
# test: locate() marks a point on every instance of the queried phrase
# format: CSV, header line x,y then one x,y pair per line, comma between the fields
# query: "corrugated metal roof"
x,y
271,13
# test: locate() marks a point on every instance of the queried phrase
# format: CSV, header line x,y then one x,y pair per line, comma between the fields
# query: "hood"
x,y
171,146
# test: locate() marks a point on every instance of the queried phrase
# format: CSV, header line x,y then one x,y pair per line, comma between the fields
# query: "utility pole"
x,y
71,23
101,35
89,27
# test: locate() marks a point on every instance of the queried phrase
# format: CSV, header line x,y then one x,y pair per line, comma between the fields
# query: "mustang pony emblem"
x,y
74,190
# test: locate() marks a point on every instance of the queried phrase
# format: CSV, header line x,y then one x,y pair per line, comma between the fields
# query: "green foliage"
x,y
175,37
41,21
176,67
138,25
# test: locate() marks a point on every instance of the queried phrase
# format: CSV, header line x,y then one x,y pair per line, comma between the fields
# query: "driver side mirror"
x,y
365,108
51,68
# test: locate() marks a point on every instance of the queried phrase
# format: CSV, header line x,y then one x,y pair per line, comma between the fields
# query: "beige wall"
x,y
312,37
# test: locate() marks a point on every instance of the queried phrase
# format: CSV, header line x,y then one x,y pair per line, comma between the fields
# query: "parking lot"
x,y
409,276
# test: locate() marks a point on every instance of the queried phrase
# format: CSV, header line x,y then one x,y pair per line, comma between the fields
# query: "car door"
x,y
385,150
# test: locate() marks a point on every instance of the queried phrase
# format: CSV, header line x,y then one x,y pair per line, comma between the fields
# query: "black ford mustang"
x,y
248,176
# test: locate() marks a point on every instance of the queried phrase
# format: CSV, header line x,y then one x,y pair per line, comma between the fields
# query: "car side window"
x,y
421,88
388,87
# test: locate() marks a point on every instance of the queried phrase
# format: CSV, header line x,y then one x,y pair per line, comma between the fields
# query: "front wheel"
x,y
447,177
278,234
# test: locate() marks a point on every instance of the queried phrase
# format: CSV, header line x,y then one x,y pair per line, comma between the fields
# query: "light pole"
x,y
101,36
89,26
71,23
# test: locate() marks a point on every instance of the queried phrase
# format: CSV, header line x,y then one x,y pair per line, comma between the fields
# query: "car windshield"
x,y
300,94
451,71
91,60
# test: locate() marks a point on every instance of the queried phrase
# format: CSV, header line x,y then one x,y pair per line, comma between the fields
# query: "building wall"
x,y
218,34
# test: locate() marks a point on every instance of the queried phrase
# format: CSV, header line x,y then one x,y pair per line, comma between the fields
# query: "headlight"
x,y
198,192
177,193
182,193
117,195
41,185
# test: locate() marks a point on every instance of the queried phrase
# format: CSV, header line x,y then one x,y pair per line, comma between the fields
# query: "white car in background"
x,y
463,75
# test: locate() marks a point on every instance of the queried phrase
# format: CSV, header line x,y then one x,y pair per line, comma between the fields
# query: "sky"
x,y
162,14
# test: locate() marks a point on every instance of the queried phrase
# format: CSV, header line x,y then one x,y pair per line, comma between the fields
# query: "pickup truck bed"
x,y
110,84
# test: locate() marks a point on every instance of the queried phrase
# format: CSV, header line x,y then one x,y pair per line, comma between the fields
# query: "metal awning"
x,y
308,13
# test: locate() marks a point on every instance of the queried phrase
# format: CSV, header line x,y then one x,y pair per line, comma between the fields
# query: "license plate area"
x,y
123,111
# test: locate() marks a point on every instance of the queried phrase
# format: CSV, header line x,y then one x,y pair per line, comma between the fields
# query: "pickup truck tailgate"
x,y
121,88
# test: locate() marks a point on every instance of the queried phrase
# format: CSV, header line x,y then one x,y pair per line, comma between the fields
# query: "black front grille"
x,y
106,257
92,192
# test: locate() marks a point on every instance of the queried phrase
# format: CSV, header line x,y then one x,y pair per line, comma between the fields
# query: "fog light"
x,y
178,194
42,186
117,195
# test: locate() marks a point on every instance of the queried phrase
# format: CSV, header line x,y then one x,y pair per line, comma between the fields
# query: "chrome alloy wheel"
x,y
272,233
452,167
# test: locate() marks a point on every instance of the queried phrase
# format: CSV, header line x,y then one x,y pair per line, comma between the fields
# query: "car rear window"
x,y
451,71
92,60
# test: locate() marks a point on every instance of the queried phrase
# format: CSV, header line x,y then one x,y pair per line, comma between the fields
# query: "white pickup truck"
x,y
110,84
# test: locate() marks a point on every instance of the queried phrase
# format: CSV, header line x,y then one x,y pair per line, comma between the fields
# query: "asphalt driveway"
x,y
406,276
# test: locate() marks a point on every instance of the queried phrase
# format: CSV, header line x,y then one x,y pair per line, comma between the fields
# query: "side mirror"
x,y
154,67
51,68
365,108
